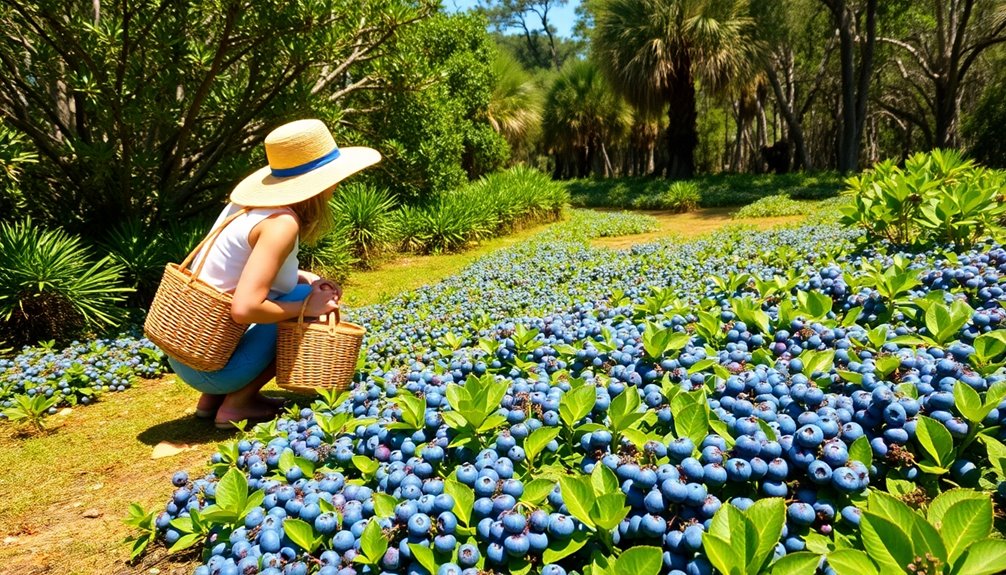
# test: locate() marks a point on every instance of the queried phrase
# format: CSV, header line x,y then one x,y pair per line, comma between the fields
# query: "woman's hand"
x,y
323,300
329,285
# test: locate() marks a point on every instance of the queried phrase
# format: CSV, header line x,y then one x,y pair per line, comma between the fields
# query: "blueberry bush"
x,y
792,401
37,381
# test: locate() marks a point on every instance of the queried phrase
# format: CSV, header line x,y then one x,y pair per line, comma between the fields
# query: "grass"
x,y
691,225
721,190
66,491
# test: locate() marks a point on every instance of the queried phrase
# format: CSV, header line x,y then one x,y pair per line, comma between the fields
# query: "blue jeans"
x,y
255,351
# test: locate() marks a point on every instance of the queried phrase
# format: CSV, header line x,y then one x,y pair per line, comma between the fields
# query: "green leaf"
x,y
850,376
186,541
578,495
464,498
935,441
939,506
692,422
604,480
536,491
560,549
623,407
800,563
609,510
860,451
639,560
969,403
576,404
817,361
986,557
365,464
301,533
373,542
964,523
424,555
886,364
722,554
384,504
537,441
886,543
232,491
815,305
852,562
768,517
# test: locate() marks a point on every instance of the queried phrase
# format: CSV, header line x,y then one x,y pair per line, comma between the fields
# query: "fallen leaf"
x,y
92,513
168,449
65,411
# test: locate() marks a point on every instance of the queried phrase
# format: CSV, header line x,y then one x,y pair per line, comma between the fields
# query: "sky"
x,y
562,18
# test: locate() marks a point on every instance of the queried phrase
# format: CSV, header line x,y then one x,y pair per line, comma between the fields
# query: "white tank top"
x,y
231,250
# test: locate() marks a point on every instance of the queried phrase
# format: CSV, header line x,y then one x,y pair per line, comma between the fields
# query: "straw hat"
x,y
303,161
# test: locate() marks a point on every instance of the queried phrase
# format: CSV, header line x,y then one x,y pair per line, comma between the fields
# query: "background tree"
x,y
152,110
582,117
532,19
654,51
938,45
856,24
514,109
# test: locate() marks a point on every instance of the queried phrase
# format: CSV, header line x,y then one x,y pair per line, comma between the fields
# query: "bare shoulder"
x,y
279,228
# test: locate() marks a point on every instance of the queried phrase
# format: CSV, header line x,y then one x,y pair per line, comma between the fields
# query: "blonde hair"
x,y
315,217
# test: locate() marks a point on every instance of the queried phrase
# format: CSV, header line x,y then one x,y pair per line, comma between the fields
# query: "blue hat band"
x,y
308,167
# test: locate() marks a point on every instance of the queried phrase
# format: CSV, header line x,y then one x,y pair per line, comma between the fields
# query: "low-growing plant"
x,y
51,287
31,409
331,257
773,206
681,196
364,214
937,197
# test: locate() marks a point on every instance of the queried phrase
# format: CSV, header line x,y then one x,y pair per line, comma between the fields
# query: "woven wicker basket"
x,y
189,319
311,356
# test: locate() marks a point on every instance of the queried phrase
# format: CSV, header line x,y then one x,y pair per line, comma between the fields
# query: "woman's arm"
x,y
272,241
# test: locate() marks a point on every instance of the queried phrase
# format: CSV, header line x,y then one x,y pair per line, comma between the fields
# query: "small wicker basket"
x,y
311,356
189,319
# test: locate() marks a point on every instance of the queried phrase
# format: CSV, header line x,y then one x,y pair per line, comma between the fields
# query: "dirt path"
x,y
690,225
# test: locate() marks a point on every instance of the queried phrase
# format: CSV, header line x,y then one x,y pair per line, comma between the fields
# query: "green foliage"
x,y
742,542
985,127
15,155
431,121
585,225
581,114
953,536
495,204
773,206
714,191
682,196
332,257
51,287
30,409
156,109
363,214
515,103
938,197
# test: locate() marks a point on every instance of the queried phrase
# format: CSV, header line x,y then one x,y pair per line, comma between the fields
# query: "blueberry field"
x,y
806,399
787,401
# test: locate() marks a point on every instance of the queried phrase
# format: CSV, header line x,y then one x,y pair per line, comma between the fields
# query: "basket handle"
x,y
211,237
334,317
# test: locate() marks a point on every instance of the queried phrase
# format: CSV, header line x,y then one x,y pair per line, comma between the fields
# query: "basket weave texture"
x,y
312,356
189,319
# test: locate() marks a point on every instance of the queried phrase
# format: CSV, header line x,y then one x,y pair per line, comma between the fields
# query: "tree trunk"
x,y
682,118
794,128
855,89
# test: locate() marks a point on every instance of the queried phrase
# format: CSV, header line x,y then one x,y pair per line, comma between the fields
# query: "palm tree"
x,y
654,52
582,116
514,109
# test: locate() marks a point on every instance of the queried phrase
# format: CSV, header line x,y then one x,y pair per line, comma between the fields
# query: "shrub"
x,y
363,214
143,251
938,197
52,288
496,203
773,206
332,257
682,196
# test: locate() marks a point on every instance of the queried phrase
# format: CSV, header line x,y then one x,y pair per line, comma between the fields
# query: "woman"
x,y
255,259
